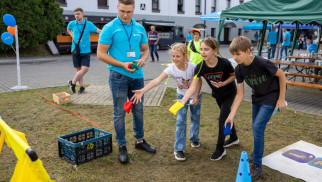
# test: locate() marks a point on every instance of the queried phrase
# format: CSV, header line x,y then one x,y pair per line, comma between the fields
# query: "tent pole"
x,y
319,40
259,53
294,38
278,40
221,24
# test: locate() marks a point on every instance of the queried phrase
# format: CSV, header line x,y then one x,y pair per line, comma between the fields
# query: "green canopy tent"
x,y
275,11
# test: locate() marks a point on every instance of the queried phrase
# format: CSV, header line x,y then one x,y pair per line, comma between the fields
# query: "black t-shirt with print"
x,y
220,72
260,76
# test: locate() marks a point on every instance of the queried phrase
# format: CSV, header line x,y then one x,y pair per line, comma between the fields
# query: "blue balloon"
x,y
9,20
7,38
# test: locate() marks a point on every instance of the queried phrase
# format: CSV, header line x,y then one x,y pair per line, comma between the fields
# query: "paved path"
x,y
56,71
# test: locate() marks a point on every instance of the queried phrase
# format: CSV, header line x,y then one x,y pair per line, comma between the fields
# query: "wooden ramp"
x,y
101,95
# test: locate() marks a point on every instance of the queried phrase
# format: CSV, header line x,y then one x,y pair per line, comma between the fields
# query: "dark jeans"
x,y
121,87
284,48
261,115
224,105
154,48
272,50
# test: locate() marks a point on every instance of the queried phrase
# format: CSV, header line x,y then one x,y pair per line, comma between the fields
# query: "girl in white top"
x,y
183,72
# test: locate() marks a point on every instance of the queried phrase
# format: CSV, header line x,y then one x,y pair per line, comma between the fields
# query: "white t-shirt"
x,y
183,78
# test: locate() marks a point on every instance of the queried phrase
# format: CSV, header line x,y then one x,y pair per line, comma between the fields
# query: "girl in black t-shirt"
x,y
220,76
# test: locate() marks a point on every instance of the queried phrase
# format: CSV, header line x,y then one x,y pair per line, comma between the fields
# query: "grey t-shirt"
x,y
260,76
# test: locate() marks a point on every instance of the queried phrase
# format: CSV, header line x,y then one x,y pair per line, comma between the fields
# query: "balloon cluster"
x,y
7,37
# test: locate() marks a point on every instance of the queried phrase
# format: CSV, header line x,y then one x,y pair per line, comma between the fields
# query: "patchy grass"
x,y
42,123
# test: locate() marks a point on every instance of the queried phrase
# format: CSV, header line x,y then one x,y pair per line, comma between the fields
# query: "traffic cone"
x,y
128,106
243,174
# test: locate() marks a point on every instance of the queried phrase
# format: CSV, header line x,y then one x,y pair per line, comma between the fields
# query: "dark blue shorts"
x,y
82,60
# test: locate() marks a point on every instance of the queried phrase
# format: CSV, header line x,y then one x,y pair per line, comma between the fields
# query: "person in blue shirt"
x,y
271,43
81,62
188,38
121,42
286,43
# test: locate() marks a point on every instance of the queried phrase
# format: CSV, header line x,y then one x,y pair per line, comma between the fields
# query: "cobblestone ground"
x,y
56,71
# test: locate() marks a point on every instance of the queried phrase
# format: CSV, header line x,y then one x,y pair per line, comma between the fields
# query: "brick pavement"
x,y
56,71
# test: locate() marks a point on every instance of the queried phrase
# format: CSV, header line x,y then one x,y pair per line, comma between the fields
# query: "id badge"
x,y
131,54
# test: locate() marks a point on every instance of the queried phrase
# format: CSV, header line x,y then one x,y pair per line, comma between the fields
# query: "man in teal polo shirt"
x,y
81,62
286,43
121,42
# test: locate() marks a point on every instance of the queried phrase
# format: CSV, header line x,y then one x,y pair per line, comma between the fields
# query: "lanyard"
x,y
128,37
80,31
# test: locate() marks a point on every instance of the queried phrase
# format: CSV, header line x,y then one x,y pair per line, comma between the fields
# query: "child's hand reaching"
x,y
137,97
231,121
194,101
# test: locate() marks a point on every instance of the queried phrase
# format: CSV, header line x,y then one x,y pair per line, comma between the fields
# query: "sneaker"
x,y
123,158
195,144
255,172
158,59
251,157
152,61
145,146
71,86
231,142
217,155
179,155
81,90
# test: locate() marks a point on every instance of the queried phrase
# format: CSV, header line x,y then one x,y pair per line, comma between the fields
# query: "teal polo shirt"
x,y
287,42
77,28
116,34
272,37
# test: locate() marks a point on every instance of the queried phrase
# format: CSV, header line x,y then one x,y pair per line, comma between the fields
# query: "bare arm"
x,y
98,31
106,58
238,99
230,79
157,40
282,81
70,32
139,93
145,55
195,99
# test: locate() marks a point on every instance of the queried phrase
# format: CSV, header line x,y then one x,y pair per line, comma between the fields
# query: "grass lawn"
x,y
42,123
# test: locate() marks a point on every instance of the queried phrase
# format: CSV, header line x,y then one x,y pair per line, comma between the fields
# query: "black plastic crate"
x,y
85,145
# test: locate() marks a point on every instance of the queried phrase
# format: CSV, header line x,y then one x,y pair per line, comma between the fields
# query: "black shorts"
x,y
82,60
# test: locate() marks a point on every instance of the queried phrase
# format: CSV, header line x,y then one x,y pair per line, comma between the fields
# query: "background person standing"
x,y
286,43
271,40
81,62
153,38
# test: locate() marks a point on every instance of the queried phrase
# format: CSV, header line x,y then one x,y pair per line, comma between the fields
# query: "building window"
x,y
213,32
241,1
180,7
239,32
213,6
155,6
102,4
198,5
62,3
227,4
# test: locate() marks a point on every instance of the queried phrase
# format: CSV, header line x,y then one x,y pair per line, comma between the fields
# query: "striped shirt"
x,y
153,37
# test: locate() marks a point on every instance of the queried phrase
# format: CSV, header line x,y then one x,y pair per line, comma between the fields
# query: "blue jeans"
x,y
272,50
261,115
121,87
154,48
281,53
180,138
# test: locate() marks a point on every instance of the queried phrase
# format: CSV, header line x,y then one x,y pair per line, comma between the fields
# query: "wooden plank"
x,y
304,84
154,91
296,63
303,75
157,96
161,97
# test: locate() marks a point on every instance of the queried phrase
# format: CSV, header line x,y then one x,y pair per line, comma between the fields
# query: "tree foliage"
x,y
38,21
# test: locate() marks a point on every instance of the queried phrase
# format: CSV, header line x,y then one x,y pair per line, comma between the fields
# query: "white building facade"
x,y
184,13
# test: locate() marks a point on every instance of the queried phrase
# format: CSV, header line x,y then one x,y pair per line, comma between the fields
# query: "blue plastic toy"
x,y
227,130
243,174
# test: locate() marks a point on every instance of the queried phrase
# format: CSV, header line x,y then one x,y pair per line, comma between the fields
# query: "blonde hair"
x,y
180,47
212,43
240,43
